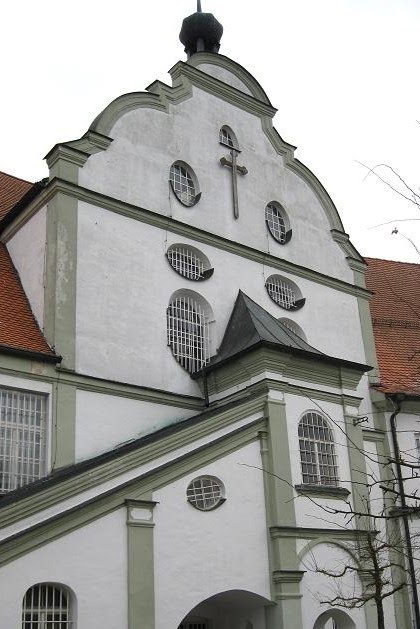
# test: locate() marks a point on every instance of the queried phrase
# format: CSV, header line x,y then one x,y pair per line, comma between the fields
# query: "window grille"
x,y
182,184
23,438
317,451
47,607
198,623
205,493
282,292
293,327
186,262
226,138
417,439
188,333
275,223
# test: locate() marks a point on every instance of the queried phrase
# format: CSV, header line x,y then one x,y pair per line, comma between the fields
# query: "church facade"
x,y
185,374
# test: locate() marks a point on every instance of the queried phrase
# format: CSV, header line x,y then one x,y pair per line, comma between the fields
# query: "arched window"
x,y
188,331
317,451
228,138
47,606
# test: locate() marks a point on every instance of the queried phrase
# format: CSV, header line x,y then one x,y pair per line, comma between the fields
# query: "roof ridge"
x,y
393,261
2,172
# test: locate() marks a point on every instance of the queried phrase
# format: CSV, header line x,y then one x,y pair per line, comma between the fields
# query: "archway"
x,y
334,619
234,609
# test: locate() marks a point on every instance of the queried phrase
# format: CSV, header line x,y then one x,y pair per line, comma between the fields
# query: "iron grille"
x,y
205,493
183,184
226,138
186,262
47,607
275,223
23,438
317,451
188,333
281,292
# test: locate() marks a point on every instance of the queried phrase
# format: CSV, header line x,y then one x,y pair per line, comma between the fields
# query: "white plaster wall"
x,y
104,421
200,554
408,424
91,561
310,513
124,284
27,250
135,168
316,587
224,75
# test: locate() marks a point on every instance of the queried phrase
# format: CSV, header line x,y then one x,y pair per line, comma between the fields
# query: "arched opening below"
x,y
234,609
334,619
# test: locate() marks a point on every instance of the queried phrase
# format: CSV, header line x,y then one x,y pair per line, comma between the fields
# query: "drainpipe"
x,y
396,401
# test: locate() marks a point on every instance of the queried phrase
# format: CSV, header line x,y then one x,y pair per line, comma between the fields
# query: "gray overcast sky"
x,y
342,73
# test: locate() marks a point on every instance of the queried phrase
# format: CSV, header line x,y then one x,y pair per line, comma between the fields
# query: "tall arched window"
x,y
188,331
317,451
47,606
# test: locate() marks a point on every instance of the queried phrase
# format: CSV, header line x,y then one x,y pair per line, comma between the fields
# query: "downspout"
x,y
396,401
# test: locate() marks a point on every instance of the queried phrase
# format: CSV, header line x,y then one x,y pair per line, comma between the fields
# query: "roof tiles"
x,y
395,310
12,189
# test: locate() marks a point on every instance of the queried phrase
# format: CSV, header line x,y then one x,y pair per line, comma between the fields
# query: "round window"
x,y
278,223
184,184
284,292
206,493
189,262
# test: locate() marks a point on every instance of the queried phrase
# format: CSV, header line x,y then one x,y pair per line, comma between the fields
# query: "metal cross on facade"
x,y
242,170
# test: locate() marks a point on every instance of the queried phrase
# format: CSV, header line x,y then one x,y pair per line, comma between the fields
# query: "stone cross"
x,y
242,170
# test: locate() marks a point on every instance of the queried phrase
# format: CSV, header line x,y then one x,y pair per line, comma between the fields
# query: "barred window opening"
x,y
228,138
23,438
205,493
284,293
189,262
47,606
293,327
317,451
276,223
183,185
188,333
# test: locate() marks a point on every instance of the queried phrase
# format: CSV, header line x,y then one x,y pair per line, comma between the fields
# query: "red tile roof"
x,y
395,310
12,190
19,329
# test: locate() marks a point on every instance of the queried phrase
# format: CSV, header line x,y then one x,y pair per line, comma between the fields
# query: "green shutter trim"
x,y
60,277
63,425
140,562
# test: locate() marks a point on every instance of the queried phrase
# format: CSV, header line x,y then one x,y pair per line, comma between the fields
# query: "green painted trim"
x,y
320,535
373,435
64,162
358,474
335,493
63,425
60,277
49,496
140,567
84,513
231,66
182,229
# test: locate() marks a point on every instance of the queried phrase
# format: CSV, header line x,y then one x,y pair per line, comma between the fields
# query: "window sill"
x,y
324,491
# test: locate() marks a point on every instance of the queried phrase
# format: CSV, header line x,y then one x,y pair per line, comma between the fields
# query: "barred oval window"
x,y
206,493
184,184
317,451
284,292
277,222
189,262
47,605
293,327
228,138
188,332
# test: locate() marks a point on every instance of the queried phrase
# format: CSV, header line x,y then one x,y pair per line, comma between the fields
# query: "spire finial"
x,y
199,6
201,32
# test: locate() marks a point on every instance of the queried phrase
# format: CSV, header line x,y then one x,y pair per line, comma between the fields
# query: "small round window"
x,y
189,262
284,292
278,223
228,138
293,327
184,184
206,493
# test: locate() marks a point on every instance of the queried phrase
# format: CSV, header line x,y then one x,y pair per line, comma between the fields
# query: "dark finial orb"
x,y
201,32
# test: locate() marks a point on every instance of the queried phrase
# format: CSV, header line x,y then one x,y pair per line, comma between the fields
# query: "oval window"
x,y
206,493
184,184
277,222
284,292
293,327
189,262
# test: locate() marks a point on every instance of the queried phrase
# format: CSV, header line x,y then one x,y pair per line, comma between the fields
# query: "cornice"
x,y
161,221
